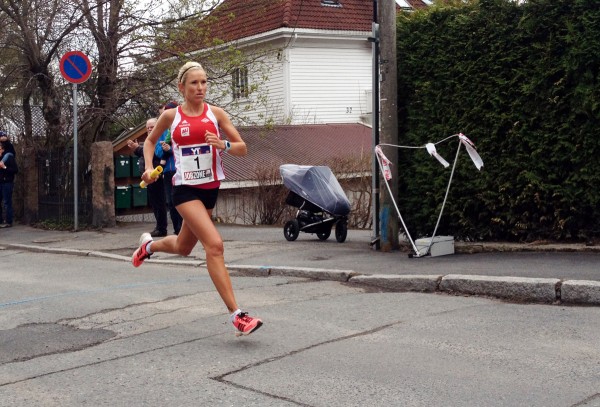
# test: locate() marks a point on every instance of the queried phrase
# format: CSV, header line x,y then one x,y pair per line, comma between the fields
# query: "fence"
x,y
55,189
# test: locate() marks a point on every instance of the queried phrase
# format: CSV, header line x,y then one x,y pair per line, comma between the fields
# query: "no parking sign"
x,y
75,67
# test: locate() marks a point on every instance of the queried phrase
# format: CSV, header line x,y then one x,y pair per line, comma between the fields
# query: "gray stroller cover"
x,y
317,185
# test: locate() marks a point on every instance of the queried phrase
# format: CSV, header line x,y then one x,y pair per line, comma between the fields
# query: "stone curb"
x,y
190,263
580,292
108,255
248,271
313,273
41,249
407,282
301,272
544,290
537,290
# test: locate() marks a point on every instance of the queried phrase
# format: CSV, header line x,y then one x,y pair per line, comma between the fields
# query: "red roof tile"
x,y
319,144
236,19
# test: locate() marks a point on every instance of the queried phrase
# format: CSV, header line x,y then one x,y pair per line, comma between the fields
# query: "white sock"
x,y
148,247
236,312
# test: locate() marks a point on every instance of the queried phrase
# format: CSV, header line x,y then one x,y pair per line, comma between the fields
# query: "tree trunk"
x,y
51,106
28,166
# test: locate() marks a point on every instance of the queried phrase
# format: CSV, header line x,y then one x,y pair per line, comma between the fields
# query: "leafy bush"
x,y
522,82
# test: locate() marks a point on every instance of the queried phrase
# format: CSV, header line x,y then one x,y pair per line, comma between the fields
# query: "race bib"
x,y
197,164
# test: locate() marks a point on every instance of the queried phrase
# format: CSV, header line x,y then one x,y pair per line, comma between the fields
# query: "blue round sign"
x,y
75,67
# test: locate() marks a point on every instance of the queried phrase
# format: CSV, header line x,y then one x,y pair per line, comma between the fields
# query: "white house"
x,y
317,67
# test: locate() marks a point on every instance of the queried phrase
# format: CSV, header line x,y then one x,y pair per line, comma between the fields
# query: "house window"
x,y
331,3
239,83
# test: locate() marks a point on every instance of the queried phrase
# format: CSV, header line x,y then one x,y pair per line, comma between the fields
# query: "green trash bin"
x,y
123,197
140,196
122,166
135,166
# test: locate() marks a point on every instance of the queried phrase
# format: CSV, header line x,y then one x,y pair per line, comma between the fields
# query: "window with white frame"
x,y
239,83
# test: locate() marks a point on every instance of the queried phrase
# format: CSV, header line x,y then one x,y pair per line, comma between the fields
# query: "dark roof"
x,y
319,144
237,19
268,148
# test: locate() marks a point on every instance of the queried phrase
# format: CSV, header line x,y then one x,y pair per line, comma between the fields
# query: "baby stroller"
x,y
320,200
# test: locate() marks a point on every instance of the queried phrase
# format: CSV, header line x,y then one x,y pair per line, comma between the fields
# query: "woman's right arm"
x,y
164,122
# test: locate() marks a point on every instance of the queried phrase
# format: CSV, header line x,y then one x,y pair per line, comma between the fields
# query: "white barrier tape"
x,y
384,165
471,150
433,152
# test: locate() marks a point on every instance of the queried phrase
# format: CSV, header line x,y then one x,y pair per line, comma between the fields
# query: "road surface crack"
x,y
222,377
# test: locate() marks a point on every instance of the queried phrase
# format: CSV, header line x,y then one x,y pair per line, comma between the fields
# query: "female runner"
x,y
197,147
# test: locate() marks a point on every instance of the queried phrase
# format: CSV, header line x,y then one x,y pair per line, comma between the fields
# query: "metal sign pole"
x,y
76,68
75,169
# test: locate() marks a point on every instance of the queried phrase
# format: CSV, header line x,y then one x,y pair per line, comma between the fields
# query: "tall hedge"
x,y
522,82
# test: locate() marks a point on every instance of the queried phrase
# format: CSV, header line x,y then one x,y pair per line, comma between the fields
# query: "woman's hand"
x,y
214,140
147,176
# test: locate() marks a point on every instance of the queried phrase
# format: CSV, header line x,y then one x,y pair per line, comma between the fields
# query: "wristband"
x,y
227,146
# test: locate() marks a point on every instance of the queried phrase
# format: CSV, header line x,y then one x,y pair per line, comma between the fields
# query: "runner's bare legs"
x,y
198,226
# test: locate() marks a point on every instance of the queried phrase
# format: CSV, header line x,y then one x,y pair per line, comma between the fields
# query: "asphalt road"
x,y
85,331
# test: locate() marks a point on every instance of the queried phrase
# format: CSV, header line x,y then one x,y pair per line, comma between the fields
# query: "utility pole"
x,y
376,238
388,217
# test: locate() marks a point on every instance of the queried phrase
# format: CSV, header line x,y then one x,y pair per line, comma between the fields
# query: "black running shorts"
x,y
185,193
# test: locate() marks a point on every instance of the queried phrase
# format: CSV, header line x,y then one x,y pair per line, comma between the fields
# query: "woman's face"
x,y
194,87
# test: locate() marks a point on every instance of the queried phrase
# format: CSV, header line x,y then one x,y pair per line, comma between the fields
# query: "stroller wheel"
x,y
341,231
291,230
324,234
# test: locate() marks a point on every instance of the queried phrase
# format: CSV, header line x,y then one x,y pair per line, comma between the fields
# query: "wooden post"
x,y
103,185
389,122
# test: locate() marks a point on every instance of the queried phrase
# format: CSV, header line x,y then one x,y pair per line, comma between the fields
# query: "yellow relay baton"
x,y
154,174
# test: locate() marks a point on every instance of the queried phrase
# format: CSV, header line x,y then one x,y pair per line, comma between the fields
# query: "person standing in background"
x,y
8,147
156,190
165,153
8,170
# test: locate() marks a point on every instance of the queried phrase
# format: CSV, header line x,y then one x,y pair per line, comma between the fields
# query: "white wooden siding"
x,y
311,81
329,84
268,103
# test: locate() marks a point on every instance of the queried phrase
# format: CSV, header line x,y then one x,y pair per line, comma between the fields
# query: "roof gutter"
x,y
293,33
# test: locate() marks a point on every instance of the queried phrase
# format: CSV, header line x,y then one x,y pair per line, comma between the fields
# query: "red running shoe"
x,y
141,253
245,324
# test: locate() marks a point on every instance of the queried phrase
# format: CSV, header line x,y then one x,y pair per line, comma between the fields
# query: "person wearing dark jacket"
x,y
165,152
156,190
8,147
8,170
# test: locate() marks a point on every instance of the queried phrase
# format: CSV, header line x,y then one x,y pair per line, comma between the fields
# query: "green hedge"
x,y
522,82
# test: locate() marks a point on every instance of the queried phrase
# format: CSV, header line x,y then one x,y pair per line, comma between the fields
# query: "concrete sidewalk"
x,y
541,273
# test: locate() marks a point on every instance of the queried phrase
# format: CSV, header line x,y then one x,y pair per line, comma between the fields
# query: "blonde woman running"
x,y
197,148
